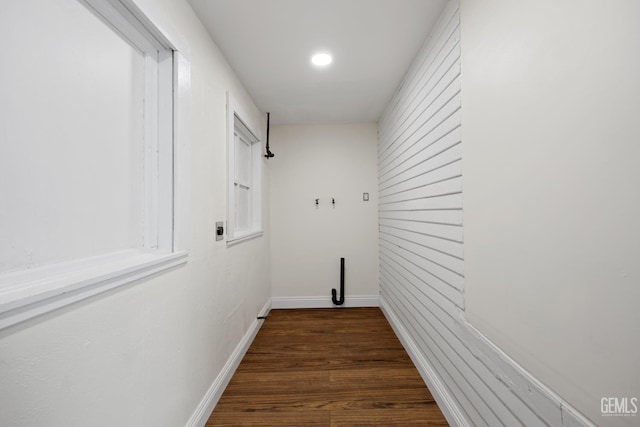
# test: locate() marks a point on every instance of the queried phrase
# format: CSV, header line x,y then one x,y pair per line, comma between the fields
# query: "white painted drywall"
x,y
551,101
146,354
323,162
71,122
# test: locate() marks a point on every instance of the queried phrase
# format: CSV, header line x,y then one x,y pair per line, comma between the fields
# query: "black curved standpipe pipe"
x,y
334,298
269,153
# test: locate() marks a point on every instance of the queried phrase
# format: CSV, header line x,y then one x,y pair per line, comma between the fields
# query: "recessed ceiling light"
x,y
321,59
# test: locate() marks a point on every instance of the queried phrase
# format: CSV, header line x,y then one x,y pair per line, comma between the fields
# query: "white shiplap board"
x,y
422,250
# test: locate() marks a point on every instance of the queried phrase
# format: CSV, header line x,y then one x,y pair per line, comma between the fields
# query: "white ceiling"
x,y
269,44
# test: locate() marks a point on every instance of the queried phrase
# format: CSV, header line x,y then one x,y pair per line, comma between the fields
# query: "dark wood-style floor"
x,y
333,367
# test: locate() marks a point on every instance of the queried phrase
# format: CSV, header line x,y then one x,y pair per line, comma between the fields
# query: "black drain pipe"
x,y
269,153
334,298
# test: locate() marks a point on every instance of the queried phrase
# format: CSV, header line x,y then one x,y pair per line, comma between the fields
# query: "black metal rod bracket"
x,y
269,153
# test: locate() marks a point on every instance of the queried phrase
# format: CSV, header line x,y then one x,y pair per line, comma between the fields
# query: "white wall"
x,y
146,354
323,161
551,101
486,238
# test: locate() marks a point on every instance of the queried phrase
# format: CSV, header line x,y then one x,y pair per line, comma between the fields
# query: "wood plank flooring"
x,y
326,367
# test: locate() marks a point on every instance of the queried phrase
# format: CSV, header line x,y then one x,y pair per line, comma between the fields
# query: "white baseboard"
x,y
546,398
540,398
522,383
324,302
445,401
213,394
210,399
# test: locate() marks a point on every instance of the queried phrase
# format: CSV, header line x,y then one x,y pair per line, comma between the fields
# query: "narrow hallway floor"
x,y
326,367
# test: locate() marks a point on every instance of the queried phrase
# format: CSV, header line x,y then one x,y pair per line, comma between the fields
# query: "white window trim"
x,y
26,294
235,110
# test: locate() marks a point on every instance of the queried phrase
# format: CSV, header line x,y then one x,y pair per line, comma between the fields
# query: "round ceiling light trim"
x,y
321,59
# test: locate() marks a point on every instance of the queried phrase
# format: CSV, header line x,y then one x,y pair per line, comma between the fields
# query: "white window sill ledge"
x,y
29,293
244,237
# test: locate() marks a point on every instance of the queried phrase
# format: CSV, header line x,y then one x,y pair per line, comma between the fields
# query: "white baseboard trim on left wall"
x,y
213,394
210,399
324,302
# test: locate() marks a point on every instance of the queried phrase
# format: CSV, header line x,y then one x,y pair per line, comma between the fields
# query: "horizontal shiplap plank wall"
x,y
421,246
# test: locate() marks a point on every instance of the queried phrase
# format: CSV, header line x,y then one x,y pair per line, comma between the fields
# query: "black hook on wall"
x,y
334,298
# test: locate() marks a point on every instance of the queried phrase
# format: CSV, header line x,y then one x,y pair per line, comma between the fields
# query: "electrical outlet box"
x,y
219,230
365,197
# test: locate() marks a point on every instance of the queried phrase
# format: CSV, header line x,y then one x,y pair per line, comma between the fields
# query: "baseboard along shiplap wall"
x,y
421,251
